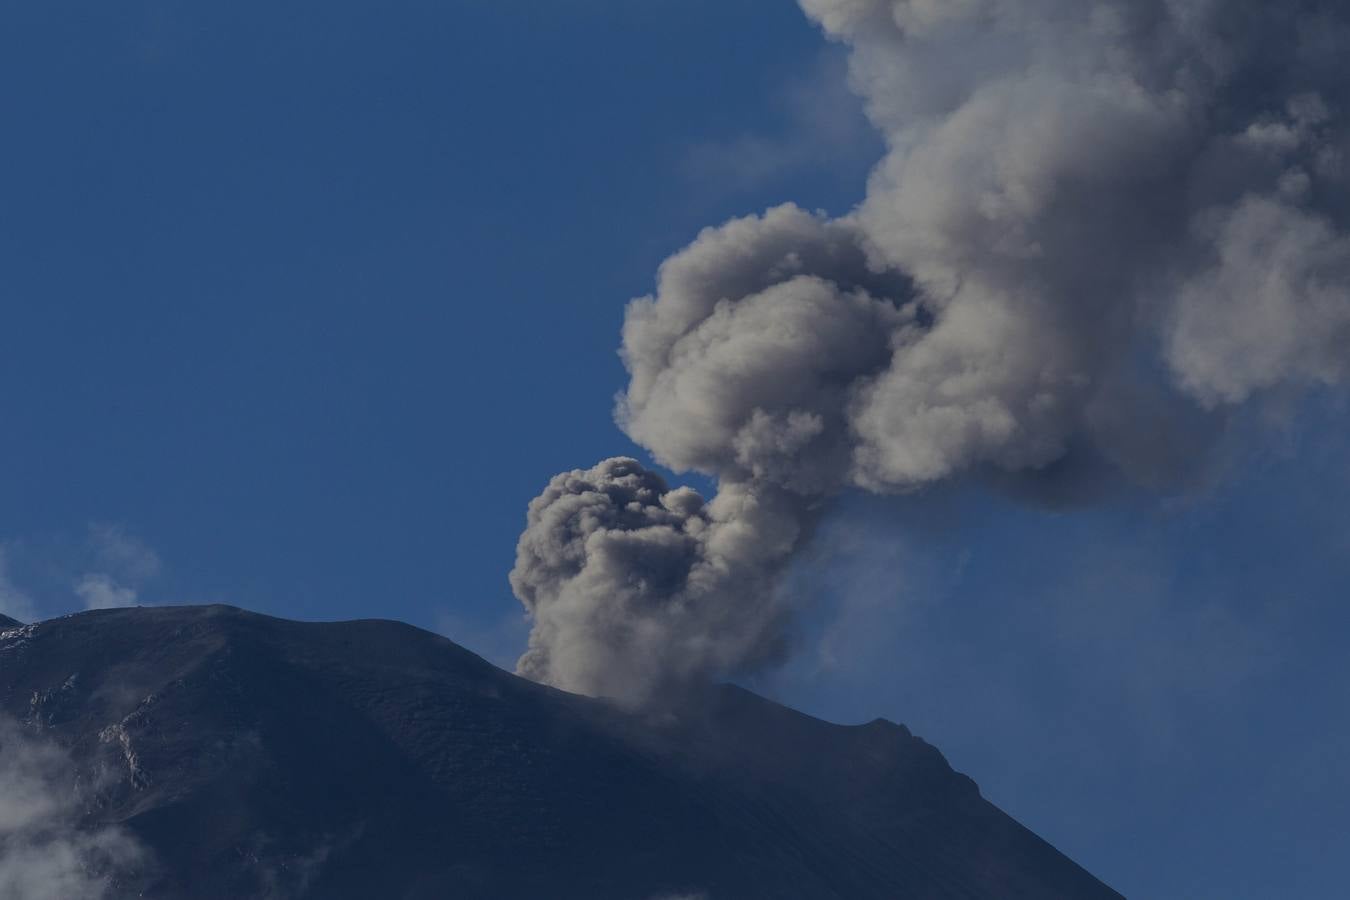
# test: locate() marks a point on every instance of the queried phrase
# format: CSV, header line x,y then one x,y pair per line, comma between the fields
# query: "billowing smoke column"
x,y
635,587
1095,221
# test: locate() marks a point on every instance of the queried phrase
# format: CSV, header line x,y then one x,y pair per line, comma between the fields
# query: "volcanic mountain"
x,y
254,757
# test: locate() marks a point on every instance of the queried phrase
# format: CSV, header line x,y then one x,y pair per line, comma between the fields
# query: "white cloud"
x,y
125,563
123,553
46,853
102,592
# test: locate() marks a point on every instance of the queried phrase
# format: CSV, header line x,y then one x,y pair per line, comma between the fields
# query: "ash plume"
x,y
634,587
1096,224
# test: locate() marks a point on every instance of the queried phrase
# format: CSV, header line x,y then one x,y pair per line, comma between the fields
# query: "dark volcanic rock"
x,y
263,758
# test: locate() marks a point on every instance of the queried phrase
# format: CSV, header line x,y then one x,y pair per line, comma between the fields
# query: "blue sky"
x,y
304,302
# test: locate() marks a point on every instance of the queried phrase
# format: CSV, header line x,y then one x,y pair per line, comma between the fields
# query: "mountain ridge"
x,y
256,756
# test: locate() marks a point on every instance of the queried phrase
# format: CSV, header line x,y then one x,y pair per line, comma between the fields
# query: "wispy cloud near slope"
x,y
45,851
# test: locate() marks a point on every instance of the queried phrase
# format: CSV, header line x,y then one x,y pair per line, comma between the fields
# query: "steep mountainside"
x,y
256,757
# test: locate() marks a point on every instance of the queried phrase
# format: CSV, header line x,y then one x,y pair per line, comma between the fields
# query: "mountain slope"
x,y
256,757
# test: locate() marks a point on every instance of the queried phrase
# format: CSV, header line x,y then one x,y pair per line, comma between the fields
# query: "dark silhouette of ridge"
x,y
257,757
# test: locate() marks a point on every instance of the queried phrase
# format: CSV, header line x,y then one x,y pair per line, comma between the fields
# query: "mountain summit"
x,y
245,756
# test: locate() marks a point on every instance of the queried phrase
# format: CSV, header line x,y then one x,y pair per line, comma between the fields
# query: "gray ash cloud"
x,y
635,588
1099,227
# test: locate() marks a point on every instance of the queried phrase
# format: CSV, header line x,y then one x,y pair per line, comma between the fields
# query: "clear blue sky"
x,y
303,302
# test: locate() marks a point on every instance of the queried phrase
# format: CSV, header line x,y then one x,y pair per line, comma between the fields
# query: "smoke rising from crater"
x,y
1096,225
635,588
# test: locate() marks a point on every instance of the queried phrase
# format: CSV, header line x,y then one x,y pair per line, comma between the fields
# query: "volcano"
x,y
256,757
